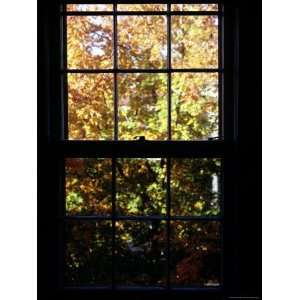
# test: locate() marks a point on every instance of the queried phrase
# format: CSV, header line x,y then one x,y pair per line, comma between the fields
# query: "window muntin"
x,y
159,216
141,185
198,218
180,42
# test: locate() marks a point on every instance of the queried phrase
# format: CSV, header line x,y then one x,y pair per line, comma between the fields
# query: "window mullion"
x,y
115,95
116,148
169,69
115,64
169,138
113,216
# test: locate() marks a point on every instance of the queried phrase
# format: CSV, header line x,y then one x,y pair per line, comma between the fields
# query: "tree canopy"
x,y
141,184
142,98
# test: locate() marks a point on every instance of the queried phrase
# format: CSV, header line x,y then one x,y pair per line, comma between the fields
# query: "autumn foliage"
x,y
141,185
142,97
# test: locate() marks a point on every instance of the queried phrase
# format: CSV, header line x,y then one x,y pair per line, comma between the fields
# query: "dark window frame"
x,y
115,70
53,150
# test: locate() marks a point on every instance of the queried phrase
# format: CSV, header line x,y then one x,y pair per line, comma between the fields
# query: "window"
x,y
143,222
141,142
154,71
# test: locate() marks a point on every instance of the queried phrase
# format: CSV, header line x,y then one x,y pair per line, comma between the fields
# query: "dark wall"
x,y
250,147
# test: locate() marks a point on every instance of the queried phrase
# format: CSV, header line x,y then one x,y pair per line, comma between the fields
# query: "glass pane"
x,y
195,254
141,186
141,253
143,106
88,186
195,186
142,42
88,253
194,106
194,7
141,7
89,42
90,106
89,7
194,42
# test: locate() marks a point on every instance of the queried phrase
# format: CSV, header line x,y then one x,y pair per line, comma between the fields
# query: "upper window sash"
x,y
121,80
